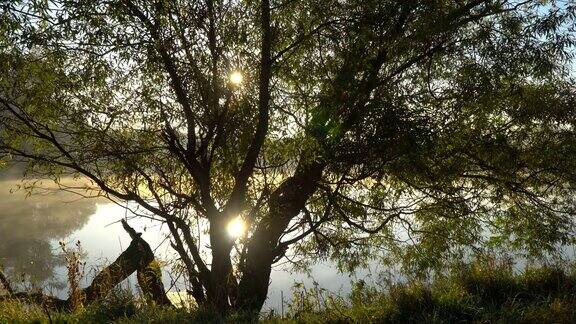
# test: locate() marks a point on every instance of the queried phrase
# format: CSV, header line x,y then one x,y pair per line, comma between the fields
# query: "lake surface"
x,y
31,227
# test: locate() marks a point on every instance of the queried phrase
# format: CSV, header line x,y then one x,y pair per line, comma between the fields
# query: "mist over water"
x,y
32,225
29,225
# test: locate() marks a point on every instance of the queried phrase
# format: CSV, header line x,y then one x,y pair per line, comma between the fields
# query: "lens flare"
x,y
236,227
236,78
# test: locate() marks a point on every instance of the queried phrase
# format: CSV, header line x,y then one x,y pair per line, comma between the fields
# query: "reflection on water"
x,y
30,224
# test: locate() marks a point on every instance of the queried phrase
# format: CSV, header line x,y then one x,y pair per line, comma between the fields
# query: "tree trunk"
x,y
253,288
221,275
137,257
150,281
129,261
284,204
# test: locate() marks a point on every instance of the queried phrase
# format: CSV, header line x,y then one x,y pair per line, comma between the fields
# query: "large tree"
x,y
412,129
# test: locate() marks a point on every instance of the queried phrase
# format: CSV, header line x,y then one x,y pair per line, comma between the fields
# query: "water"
x,y
32,225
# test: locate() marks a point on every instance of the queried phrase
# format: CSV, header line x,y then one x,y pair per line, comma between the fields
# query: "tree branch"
x,y
237,196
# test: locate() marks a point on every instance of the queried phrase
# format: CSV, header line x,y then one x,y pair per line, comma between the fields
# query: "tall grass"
x,y
75,270
477,292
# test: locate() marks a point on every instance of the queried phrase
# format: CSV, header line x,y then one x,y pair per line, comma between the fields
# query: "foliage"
x,y
476,292
424,129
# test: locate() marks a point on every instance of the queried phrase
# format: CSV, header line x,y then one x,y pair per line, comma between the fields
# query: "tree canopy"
x,y
412,130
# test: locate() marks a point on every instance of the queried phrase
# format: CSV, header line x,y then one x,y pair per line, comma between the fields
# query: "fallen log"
x,y
138,257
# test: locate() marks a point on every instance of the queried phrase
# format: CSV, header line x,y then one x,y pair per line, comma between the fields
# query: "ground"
x,y
475,292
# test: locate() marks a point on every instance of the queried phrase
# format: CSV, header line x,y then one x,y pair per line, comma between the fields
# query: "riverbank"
x,y
479,292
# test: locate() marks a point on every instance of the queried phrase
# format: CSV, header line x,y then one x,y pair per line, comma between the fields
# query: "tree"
x,y
345,121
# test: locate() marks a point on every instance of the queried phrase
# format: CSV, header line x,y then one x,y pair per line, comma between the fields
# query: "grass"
x,y
477,292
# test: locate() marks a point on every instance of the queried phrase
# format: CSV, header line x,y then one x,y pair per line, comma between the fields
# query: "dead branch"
x,y
138,257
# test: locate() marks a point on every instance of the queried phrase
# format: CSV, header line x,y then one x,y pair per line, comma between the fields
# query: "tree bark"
x,y
137,257
285,203
221,271
150,281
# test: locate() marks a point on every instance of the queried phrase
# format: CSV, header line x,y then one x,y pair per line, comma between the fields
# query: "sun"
x,y
236,78
236,227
